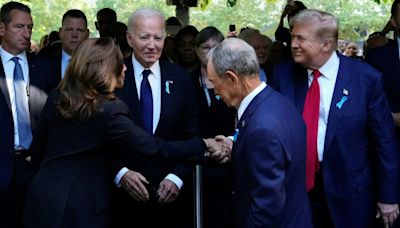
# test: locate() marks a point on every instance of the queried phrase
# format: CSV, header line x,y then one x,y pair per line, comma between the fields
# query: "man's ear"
x,y
129,38
327,45
231,76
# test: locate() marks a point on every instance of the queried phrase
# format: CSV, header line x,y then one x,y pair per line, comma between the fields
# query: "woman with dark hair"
x,y
84,126
216,118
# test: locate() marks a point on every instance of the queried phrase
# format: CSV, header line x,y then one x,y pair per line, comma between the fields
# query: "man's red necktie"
x,y
311,115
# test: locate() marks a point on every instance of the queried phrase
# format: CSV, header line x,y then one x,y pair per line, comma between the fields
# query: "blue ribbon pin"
x,y
341,102
167,86
235,136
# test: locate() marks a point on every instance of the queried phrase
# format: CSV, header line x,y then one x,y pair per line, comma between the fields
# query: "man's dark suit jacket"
x,y
178,120
73,185
360,163
386,59
268,162
12,170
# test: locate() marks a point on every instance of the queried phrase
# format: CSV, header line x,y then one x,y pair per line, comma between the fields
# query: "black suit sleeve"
x,y
127,137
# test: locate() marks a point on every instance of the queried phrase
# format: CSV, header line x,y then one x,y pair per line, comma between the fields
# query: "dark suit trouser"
x,y
12,203
127,212
319,207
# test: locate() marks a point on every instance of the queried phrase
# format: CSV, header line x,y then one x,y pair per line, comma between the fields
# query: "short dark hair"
x,y
5,16
395,7
188,30
74,13
108,12
207,33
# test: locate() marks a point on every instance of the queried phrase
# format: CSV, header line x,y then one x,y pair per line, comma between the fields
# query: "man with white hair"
x,y
161,97
268,156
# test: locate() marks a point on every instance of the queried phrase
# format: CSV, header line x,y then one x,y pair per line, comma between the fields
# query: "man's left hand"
x,y
167,191
389,213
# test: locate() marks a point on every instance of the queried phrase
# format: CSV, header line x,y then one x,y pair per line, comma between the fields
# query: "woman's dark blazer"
x,y
73,185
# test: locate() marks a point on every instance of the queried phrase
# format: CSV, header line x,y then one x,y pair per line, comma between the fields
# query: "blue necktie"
x,y
21,104
146,103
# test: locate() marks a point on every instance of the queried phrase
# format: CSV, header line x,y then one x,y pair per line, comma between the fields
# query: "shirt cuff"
x,y
230,138
174,178
118,177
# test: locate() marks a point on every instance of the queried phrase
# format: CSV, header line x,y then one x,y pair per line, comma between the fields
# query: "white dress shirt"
x,y
246,101
65,58
9,66
155,84
326,82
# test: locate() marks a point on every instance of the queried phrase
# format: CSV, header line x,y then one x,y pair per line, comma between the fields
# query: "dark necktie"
x,y
23,119
146,103
311,115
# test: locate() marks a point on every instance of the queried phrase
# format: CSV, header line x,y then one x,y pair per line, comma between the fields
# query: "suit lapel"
x,y
166,98
130,91
301,87
396,57
336,113
32,68
243,122
3,85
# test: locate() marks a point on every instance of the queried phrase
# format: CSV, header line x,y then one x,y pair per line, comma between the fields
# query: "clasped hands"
x,y
219,148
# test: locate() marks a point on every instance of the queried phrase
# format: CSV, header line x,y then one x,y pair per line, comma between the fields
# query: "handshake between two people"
x,y
219,148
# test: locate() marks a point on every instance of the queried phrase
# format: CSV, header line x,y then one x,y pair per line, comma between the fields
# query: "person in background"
x,y
292,8
185,47
351,50
341,45
262,46
216,118
120,37
106,22
387,59
72,33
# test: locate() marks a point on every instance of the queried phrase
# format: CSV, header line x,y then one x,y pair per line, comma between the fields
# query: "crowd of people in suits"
x,y
105,132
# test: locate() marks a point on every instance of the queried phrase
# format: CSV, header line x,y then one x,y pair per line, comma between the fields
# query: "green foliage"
x,y
357,18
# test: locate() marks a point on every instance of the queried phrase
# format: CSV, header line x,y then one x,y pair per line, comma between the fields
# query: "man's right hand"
x,y
132,182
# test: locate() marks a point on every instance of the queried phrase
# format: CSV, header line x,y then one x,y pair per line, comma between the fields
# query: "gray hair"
x,y
144,12
327,24
247,33
234,55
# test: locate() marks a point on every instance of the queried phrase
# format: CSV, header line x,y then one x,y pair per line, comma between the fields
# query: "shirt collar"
x,y
246,101
138,68
8,56
65,57
330,65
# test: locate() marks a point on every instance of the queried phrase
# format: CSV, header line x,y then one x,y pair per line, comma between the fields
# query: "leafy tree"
x,y
357,18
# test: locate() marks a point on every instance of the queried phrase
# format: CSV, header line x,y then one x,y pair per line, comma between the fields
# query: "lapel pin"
x,y
235,135
243,123
345,92
167,83
341,102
